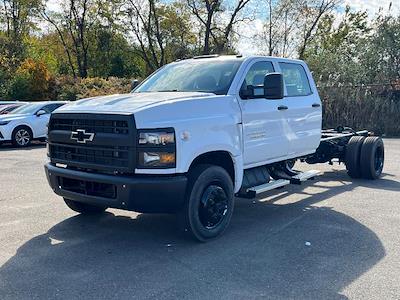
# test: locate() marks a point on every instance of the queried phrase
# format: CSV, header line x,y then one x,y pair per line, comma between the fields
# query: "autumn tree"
x,y
73,25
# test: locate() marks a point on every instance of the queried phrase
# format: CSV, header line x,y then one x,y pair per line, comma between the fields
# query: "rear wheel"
x,y
21,136
352,156
372,157
84,208
209,202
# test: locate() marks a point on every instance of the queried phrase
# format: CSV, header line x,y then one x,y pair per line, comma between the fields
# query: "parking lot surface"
x,y
331,238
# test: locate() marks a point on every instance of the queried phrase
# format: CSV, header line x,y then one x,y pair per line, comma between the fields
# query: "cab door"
x,y
304,113
263,120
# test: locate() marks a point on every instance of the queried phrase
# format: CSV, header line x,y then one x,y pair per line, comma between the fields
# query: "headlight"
x,y
157,138
4,123
156,148
151,159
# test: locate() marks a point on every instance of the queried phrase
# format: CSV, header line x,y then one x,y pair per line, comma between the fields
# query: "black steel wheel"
x,y
352,156
372,157
209,203
84,208
22,136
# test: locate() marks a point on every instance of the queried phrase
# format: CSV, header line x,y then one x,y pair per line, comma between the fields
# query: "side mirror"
x,y
41,112
134,84
273,86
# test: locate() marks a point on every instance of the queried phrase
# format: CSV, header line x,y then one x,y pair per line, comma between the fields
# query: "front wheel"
x,y
21,137
84,208
209,202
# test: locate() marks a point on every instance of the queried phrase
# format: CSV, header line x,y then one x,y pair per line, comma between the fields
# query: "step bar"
x,y
255,190
274,184
304,176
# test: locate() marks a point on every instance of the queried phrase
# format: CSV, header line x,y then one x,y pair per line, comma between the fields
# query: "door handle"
x,y
282,107
316,105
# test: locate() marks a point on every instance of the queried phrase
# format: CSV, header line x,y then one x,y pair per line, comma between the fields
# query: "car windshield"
x,y
27,109
197,75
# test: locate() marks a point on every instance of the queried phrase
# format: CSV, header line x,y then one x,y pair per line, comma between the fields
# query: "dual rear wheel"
x,y
365,157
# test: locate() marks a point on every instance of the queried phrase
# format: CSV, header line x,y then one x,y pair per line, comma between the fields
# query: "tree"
x,y
73,26
17,18
162,32
30,82
209,14
311,12
335,51
280,27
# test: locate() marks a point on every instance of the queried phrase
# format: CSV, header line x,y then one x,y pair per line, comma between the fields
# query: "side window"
x,y
51,107
46,108
55,106
295,79
255,76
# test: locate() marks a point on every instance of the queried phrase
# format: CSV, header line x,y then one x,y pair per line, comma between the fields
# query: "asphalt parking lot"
x,y
330,238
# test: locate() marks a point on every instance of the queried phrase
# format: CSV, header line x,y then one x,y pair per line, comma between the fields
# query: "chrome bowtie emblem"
x,y
81,136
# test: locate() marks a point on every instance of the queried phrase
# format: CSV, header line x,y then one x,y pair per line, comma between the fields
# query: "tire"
x,y
209,203
352,156
22,136
84,208
372,157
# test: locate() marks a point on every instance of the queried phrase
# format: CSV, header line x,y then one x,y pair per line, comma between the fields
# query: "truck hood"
x,y
128,103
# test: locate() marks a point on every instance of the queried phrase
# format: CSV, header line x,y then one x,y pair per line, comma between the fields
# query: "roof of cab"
x,y
239,57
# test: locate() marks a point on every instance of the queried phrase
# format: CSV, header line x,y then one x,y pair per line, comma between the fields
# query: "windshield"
x,y
200,75
27,109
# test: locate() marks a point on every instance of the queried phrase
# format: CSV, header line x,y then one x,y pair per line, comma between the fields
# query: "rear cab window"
x,y
295,79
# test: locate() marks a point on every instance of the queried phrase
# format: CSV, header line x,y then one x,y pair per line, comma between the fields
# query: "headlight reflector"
x,y
156,138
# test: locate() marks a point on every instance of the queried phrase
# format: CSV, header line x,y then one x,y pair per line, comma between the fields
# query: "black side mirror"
x,y
134,84
247,93
273,86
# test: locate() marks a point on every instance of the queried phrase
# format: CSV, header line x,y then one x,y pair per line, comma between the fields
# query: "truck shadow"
x,y
263,254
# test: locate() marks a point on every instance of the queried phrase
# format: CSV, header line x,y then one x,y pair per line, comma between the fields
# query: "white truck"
x,y
195,134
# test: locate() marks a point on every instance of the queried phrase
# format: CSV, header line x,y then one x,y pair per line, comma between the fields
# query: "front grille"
x,y
112,149
113,156
98,126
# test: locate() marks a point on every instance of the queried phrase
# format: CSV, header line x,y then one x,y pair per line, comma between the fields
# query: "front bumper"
x,y
144,193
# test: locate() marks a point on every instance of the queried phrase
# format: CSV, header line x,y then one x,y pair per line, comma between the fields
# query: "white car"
x,y
27,123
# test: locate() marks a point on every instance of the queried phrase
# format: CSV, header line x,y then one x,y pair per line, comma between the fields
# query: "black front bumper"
x,y
141,193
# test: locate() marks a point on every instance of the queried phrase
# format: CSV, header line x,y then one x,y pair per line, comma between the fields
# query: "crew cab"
x,y
27,122
194,135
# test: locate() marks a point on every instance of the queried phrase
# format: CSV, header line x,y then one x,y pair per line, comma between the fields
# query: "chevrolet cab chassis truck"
x,y
194,135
